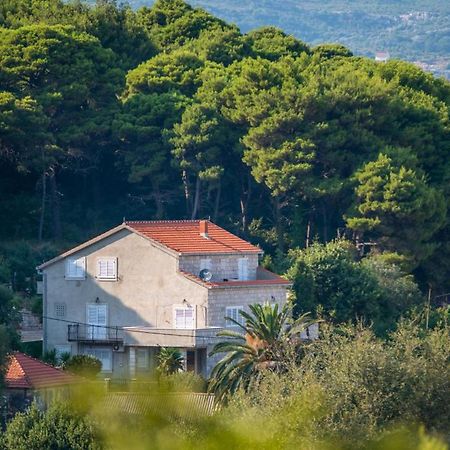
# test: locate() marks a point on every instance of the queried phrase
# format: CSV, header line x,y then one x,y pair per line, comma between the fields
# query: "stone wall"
x,y
221,266
220,299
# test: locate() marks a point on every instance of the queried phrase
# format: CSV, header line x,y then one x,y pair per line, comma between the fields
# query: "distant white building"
x,y
382,56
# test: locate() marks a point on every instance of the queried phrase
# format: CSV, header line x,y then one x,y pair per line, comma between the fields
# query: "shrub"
x,y
84,365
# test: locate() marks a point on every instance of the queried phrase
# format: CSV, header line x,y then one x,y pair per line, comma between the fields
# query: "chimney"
x,y
203,228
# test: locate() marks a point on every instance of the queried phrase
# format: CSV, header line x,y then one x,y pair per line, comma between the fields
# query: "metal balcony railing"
x,y
94,333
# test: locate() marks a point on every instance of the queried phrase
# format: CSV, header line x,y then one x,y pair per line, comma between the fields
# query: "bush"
x,y
333,281
353,387
58,428
84,365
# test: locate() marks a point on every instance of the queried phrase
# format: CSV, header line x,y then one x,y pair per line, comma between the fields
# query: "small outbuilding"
x,y
28,379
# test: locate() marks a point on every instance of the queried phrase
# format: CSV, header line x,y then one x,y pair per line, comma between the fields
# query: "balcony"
x,y
171,337
94,334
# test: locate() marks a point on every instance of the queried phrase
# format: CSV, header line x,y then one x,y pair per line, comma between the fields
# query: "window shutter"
x,y
233,313
184,318
107,268
243,269
76,268
189,318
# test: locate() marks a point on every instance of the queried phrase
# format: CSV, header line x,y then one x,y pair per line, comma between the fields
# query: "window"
x,y
102,354
97,317
107,268
243,269
184,317
60,310
233,313
142,358
76,268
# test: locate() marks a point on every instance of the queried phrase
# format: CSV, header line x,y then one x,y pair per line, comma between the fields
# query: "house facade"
x,y
145,285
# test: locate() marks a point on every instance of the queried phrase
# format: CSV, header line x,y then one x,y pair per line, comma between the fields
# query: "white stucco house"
x,y
149,284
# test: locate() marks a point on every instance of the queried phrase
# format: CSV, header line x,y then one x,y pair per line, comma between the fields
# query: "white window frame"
x,y
243,269
99,331
94,351
185,308
75,268
108,260
233,312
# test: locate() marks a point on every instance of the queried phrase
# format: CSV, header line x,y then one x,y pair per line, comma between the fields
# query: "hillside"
x,y
171,112
413,30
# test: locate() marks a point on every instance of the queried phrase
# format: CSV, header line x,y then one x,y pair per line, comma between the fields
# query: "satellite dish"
x,y
205,274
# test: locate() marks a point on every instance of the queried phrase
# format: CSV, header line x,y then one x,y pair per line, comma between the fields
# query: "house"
x,y
149,284
382,56
27,379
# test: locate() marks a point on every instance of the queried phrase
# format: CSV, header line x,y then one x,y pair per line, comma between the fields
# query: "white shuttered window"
x,y
107,268
76,268
184,317
97,318
233,313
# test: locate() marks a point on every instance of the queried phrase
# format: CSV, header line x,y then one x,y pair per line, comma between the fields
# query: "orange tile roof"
x,y
184,236
25,372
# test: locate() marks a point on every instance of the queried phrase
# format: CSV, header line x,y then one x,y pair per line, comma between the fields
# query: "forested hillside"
x,y
169,112
413,30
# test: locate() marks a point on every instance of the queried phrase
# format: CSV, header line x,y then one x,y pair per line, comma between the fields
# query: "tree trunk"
x,y
308,233
158,202
217,203
56,210
43,200
244,201
279,226
187,192
197,198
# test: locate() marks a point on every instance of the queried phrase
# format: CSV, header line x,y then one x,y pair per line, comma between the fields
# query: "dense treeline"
x,y
169,112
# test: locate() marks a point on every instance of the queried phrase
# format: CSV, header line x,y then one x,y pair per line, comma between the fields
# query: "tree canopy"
x,y
170,112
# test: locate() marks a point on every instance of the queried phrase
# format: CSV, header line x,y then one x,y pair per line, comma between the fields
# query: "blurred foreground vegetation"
x,y
349,390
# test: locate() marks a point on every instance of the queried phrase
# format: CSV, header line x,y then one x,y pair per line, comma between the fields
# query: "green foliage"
x,y
5,347
268,341
84,365
333,282
397,208
169,112
181,382
60,427
352,387
170,361
271,43
50,357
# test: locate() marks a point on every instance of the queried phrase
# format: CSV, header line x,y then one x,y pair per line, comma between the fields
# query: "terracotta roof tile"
x,y
25,372
184,236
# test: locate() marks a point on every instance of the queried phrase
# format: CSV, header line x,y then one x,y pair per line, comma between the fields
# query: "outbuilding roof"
x,y
25,372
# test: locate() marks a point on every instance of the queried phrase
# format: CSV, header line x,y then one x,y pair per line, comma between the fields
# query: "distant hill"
x,y
413,30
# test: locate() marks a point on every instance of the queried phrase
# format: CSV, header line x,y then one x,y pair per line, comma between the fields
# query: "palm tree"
x,y
266,342
170,360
